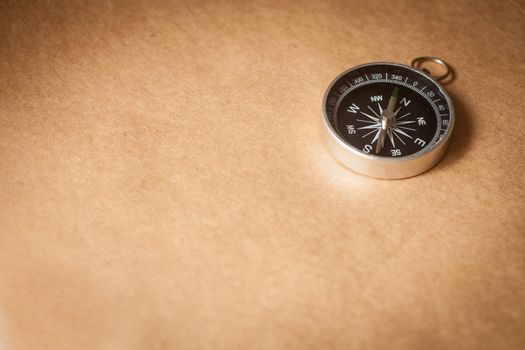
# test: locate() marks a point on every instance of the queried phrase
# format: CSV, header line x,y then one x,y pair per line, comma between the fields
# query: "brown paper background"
x,y
164,185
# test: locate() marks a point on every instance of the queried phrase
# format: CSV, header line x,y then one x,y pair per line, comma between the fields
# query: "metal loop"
x,y
417,62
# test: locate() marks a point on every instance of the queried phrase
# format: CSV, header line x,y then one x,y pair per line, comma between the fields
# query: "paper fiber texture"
x,y
164,185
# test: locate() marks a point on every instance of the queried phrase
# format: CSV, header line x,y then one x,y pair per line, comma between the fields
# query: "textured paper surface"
x,y
164,185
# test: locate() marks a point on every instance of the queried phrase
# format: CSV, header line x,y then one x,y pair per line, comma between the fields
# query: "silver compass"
x,y
388,120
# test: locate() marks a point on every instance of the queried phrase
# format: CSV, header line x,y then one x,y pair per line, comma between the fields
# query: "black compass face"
x,y
387,110
413,126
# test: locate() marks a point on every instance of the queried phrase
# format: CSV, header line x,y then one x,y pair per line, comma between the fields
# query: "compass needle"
x,y
380,139
387,120
391,137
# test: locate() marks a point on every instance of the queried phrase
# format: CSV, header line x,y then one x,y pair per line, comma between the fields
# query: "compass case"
x,y
341,106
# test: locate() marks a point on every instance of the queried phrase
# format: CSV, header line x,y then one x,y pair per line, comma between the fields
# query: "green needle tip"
x,y
394,93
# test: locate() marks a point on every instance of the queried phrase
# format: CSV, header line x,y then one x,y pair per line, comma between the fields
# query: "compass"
x,y
388,120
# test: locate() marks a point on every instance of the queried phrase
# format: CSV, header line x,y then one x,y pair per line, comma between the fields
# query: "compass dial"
x,y
359,120
388,111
